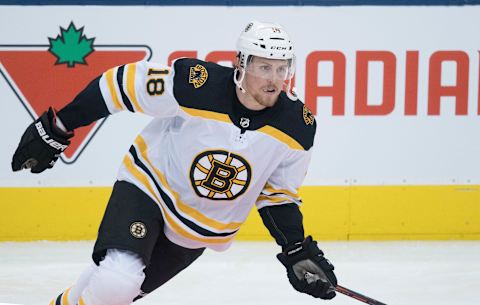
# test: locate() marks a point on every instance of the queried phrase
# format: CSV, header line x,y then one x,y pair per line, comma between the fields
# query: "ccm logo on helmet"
x,y
278,48
46,138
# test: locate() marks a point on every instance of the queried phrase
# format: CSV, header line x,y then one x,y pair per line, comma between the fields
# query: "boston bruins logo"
x,y
138,229
220,175
308,116
198,76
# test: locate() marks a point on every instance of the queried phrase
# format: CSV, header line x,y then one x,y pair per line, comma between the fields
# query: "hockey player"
x,y
222,140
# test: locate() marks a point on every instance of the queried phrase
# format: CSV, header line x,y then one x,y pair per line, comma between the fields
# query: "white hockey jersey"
x,y
205,159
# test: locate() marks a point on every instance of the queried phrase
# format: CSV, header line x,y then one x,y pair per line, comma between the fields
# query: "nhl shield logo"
x,y
58,71
198,76
244,122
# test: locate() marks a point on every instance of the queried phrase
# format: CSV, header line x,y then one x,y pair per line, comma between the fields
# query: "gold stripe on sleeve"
x,y
131,72
112,90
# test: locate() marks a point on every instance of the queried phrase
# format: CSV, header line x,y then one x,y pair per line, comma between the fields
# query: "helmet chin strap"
x,y
238,82
290,93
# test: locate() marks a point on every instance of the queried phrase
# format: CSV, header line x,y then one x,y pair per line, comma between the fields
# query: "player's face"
x,y
264,79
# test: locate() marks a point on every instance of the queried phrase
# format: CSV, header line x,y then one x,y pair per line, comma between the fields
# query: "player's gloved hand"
x,y
308,270
41,144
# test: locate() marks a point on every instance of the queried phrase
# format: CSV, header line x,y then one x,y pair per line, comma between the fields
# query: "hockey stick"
x,y
357,296
309,277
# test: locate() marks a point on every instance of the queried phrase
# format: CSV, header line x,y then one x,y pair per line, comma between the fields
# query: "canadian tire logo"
x,y
53,74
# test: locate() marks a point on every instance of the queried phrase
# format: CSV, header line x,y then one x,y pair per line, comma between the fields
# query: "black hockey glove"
x,y
41,144
308,270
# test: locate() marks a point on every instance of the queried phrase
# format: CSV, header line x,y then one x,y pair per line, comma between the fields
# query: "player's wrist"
x,y
57,129
297,246
59,124
292,245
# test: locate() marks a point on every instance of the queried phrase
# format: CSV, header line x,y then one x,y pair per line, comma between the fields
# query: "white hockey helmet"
x,y
267,40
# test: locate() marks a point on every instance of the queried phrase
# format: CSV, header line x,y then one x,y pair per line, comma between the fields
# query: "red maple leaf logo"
x,y
52,75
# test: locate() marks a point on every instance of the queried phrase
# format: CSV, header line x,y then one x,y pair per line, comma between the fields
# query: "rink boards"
x,y
330,212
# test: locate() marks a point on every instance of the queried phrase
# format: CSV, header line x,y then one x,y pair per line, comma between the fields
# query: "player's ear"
x,y
236,64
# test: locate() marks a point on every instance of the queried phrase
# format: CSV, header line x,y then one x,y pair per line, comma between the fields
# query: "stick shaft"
x,y
357,296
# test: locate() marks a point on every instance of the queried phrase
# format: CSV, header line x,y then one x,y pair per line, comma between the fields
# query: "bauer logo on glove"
x,y
41,144
47,139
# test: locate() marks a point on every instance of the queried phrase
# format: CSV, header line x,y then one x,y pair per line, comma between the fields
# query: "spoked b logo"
x,y
220,175
138,229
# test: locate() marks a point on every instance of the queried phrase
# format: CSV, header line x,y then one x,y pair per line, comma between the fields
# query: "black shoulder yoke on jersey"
x,y
202,85
296,120
209,86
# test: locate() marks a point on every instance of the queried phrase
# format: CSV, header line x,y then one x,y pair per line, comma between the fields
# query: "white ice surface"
x,y
407,273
